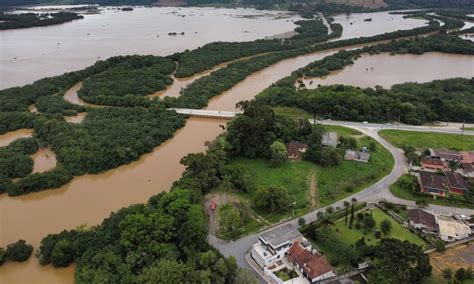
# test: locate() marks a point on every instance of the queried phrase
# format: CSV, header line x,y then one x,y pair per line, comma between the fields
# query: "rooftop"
x,y
445,154
329,138
296,147
420,216
467,157
433,180
281,235
456,180
312,263
452,228
431,161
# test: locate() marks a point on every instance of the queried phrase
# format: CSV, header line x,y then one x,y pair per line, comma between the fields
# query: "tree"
x,y
386,227
19,251
169,271
272,198
330,209
460,274
229,217
400,262
245,276
2,256
346,206
301,221
330,157
368,222
447,274
278,153
352,216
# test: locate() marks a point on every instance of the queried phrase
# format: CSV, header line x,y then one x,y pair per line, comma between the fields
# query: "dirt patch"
x,y
453,258
313,191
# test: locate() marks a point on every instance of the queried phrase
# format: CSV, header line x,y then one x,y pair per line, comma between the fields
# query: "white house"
x,y
273,245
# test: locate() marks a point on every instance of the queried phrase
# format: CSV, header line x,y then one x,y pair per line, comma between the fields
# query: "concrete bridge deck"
x,y
206,113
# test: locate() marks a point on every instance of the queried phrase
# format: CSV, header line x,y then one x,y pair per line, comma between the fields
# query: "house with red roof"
x,y
310,263
432,164
456,183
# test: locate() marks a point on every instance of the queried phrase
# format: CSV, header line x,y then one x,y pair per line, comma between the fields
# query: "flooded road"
x,y
78,44
386,70
11,136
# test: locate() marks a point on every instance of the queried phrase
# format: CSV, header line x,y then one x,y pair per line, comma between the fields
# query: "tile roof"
x,y
312,263
420,216
295,147
456,180
446,154
433,180
467,157
431,161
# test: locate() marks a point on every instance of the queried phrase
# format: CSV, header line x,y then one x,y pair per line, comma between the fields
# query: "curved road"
x,y
374,193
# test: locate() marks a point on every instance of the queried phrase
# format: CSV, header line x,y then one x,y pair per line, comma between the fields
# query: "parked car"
x,y
364,122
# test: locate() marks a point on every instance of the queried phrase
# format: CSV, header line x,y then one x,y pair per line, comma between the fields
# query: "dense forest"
x,y
27,20
163,241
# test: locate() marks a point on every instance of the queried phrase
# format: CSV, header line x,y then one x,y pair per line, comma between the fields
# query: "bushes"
x,y
26,20
19,251
272,199
40,181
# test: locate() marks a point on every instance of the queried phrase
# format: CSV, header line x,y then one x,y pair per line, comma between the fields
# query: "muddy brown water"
x,y
89,199
7,138
78,44
387,70
44,160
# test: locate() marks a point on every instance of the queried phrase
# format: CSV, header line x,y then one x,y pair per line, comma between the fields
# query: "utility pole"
x,y
462,128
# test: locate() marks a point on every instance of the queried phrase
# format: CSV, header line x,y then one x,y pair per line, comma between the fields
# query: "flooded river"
x,y
386,70
80,43
89,199
44,160
9,137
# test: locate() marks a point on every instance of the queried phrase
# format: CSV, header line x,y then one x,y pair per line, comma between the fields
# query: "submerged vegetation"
x,y
27,20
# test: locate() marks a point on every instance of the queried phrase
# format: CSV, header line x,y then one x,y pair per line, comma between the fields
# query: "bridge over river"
x,y
206,113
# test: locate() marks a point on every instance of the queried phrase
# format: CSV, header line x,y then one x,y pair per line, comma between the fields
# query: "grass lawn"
x,y
396,190
423,140
291,112
333,183
350,236
336,183
469,128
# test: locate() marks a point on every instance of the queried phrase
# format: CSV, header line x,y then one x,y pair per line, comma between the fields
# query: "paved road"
x,y
373,193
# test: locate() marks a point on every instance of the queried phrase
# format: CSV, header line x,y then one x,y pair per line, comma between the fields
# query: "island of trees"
x,y
27,20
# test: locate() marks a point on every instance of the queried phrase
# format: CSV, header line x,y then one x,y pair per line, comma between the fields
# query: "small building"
x,y
451,230
433,183
422,220
296,149
310,263
329,139
432,163
468,170
456,183
357,156
467,157
273,245
446,155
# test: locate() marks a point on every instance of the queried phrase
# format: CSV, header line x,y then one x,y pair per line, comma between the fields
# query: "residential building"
x,y
273,245
467,163
422,220
445,155
433,183
296,149
329,139
456,183
451,230
310,263
357,156
432,163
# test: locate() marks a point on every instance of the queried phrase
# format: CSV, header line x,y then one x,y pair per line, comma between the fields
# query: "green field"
x,y
333,183
424,140
350,236
399,192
